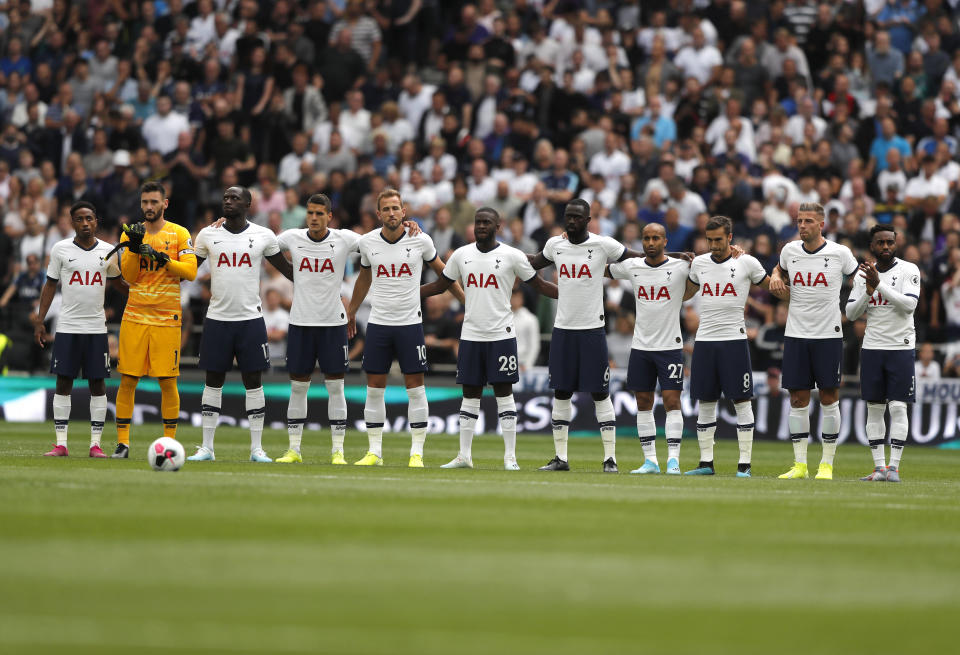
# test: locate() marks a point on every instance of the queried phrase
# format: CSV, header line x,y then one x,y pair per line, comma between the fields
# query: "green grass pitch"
x,y
104,556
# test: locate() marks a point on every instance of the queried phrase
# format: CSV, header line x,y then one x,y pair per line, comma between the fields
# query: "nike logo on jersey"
x,y
216,242
75,259
467,261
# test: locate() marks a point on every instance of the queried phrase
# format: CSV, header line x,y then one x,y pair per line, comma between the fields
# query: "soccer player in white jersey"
x,y
78,266
488,342
578,347
659,283
813,345
721,354
391,266
887,292
233,326
318,321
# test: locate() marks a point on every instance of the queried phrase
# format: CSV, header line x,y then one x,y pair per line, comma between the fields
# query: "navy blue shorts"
x,y
73,353
308,345
579,361
223,340
487,362
887,375
721,366
648,366
811,361
384,343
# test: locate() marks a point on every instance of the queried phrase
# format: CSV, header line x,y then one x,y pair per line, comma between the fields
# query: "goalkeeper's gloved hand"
x,y
135,233
148,251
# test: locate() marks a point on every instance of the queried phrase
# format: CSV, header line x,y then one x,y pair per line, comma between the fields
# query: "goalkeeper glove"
x,y
148,251
135,233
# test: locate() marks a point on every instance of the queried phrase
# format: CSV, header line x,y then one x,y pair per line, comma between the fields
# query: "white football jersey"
x,y
580,268
396,268
724,288
83,277
235,263
318,268
815,282
487,279
889,328
658,291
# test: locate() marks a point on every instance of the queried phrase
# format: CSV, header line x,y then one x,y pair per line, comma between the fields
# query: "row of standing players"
x,y
810,275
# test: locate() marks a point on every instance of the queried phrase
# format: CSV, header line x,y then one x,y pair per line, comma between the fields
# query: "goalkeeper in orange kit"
x,y
158,255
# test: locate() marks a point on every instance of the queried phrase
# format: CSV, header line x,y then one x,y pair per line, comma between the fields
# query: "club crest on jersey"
x,y
715,290
826,262
893,280
669,273
589,254
810,280
394,270
84,278
408,253
482,281
733,271
231,260
498,264
251,242
315,265
573,271
653,293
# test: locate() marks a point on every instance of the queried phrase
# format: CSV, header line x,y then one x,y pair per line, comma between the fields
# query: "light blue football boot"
x,y
649,466
259,456
673,466
203,454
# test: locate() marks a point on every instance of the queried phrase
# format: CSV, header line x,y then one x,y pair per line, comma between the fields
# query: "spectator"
x,y
927,368
161,130
664,130
528,332
928,183
885,62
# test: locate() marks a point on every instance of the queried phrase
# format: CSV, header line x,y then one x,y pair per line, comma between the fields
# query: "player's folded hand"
x,y
148,251
135,233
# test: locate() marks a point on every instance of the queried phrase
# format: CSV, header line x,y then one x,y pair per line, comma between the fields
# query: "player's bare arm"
x,y
548,289
47,293
282,264
778,283
360,289
437,265
435,288
691,290
538,261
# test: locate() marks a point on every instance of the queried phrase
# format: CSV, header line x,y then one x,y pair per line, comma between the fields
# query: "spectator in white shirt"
x,y
442,187
439,157
398,128
927,368
419,198
611,163
893,174
699,59
277,320
162,130
291,164
927,183
354,123
415,98
687,203
528,331
481,188
202,27
797,123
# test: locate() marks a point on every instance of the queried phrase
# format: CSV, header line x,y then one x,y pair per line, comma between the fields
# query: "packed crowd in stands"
x,y
663,111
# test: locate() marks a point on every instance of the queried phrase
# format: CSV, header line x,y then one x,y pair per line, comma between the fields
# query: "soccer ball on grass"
x,y
166,454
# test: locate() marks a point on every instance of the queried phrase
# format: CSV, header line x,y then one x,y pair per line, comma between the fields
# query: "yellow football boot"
x,y
825,472
337,458
416,462
290,457
796,472
369,459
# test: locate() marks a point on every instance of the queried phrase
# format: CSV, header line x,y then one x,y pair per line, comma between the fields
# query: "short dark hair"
x,y
882,227
489,210
82,204
153,187
580,202
718,222
320,199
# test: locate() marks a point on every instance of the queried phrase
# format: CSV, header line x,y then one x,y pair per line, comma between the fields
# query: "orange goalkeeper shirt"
x,y
155,291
